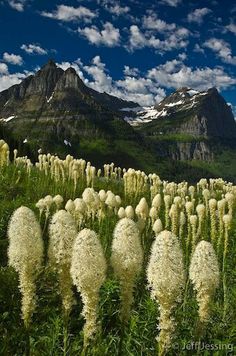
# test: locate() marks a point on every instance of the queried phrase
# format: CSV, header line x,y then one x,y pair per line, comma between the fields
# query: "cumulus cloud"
x,y
3,68
222,50
17,5
182,56
231,28
70,13
174,74
130,71
151,22
108,36
144,88
33,49
198,49
173,3
139,89
12,58
117,9
7,80
175,40
198,15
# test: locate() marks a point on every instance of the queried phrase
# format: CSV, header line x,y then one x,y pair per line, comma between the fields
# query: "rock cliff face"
x,y
54,108
52,90
189,116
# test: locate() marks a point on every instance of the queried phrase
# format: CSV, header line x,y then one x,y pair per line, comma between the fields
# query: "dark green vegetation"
x,y
47,333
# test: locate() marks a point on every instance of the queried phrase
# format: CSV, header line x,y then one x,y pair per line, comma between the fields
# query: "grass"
x,y
136,338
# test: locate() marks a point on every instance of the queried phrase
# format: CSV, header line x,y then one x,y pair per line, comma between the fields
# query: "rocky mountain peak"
x,y
53,89
188,111
49,65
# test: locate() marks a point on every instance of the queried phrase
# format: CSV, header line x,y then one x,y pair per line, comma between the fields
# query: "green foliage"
x,y
48,333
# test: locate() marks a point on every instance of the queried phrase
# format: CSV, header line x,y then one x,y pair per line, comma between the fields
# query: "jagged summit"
x,y
49,65
188,111
53,91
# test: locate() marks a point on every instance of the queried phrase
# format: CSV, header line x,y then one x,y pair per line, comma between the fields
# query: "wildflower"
x,y
204,274
88,272
166,277
62,233
126,260
25,255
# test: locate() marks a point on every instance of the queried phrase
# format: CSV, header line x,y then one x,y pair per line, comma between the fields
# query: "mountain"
x,y
188,111
52,92
186,123
56,112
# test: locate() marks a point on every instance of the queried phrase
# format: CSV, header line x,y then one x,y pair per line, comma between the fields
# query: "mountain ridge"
x,y
56,112
203,114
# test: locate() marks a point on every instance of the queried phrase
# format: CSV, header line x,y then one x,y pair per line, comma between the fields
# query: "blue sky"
x,y
137,50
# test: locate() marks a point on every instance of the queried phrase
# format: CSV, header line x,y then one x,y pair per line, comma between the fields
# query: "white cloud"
x,y
222,50
198,49
7,80
33,49
198,14
232,28
174,74
117,10
175,40
173,3
17,5
101,79
138,89
182,56
109,36
137,38
151,22
12,58
3,68
130,71
70,13
147,88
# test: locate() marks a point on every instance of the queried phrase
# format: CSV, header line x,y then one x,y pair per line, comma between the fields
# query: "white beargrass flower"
x,y
200,209
167,201
157,227
88,195
212,210
102,195
70,206
166,278
88,272
80,211
230,200
193,222
153,213
221,211
174,215
62,233
121,213
156,202
25,254
111,200
182,222
177,201
58,200
126,260
41,206
142,209
129,211
204,274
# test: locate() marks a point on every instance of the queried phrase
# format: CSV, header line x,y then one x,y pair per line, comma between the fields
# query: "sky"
x,y
136,50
